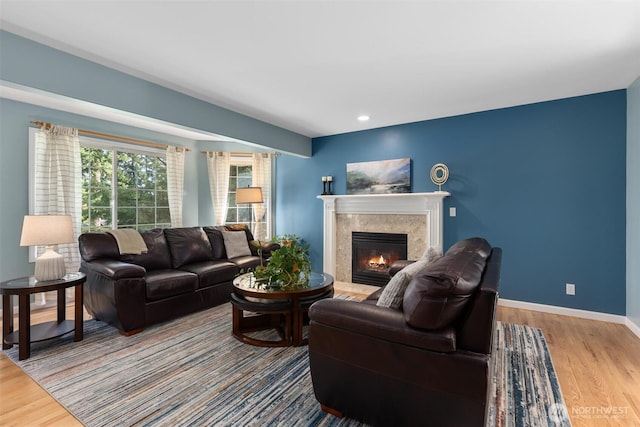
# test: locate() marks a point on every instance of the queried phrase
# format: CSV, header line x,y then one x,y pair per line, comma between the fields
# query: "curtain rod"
x,y
114,137
239,154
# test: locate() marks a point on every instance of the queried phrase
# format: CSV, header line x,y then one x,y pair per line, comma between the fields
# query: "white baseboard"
x,y
583,314
634,328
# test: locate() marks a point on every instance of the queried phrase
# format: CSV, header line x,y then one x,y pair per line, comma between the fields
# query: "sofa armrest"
x,y
380,323
115,292
115,270
265,247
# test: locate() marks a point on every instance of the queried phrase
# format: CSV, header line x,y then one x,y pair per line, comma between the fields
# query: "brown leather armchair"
x,y
428,363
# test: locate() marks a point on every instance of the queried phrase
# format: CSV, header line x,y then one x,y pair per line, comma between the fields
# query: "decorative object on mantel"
x,y
439,174
379,177
326,182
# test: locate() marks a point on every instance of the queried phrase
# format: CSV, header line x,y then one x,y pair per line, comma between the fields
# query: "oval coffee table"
x,y
274,307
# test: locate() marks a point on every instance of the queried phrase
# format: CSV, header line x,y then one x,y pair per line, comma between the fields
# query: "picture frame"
x,y
379,177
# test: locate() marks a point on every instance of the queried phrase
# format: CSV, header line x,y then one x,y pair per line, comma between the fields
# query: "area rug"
x,y
191,371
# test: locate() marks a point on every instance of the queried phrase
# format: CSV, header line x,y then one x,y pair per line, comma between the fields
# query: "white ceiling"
x,y
314,66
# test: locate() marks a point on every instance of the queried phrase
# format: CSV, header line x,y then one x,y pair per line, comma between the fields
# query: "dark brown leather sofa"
x,y
184,270
428,363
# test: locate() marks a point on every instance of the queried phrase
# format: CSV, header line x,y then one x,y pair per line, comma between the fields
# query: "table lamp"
x,y
47,230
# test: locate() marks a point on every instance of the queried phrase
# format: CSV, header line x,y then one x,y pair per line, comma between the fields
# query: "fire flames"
x,y
378,263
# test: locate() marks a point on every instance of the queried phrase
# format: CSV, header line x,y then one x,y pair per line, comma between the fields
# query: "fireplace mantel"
x,y
428,204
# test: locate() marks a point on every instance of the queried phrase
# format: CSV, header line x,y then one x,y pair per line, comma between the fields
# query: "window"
x,y
123,186
239,176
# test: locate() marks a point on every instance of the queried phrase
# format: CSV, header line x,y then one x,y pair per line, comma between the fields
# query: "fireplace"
x,y
419,215
373,253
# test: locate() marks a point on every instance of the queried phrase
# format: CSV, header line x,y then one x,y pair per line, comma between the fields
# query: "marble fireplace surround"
x,y
419,215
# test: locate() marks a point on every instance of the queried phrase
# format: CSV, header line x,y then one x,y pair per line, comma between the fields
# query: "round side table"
x,y
27,333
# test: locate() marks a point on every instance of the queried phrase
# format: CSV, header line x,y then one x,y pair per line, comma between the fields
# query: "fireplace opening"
x,y
373,254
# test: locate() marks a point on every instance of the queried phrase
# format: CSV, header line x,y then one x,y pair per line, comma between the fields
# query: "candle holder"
x,y
326,185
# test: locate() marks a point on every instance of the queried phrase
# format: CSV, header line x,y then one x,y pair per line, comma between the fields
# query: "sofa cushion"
x,y
236,244
157,256
246,262
440,292
167,283
188,245
217,242
212,272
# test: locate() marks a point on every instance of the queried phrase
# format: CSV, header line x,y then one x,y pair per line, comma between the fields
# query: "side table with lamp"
x,y
50,275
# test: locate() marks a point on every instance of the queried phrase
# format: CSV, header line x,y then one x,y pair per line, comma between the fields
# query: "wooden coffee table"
x,y
27,333
270,303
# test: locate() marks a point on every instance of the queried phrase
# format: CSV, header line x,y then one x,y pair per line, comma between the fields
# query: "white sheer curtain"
x,y
261,177
219,166
175,183
58,182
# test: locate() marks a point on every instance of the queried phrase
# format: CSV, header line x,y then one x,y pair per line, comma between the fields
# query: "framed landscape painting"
x,y
380,177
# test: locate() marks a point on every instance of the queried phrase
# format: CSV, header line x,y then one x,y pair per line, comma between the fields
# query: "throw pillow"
x,y
235,243
393,293
432,253
415,267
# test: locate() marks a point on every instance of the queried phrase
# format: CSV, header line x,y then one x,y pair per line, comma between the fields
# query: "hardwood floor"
x,y
597,363
22,401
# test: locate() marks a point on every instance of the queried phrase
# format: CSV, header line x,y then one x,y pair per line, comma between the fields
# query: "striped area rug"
x,y
193,372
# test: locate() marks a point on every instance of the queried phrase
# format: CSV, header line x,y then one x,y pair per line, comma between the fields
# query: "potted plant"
x,y
288,267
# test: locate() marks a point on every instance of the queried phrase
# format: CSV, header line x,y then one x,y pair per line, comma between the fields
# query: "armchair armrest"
x,y
115,270
380,323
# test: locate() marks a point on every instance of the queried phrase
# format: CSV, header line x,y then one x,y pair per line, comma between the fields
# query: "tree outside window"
x,y
135,196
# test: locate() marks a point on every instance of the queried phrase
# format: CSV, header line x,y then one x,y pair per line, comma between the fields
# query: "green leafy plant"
x,y
288,267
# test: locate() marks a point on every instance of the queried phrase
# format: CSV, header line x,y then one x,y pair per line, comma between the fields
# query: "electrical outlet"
x,y
571,289
452,211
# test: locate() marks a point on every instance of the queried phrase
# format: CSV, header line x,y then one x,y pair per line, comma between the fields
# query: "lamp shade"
x,y
248,195
46,230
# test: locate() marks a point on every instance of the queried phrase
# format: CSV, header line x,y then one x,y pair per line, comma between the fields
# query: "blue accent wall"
x,y
633,203
545,181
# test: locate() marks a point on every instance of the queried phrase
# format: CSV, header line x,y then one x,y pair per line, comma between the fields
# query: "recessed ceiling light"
x,y
363,118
